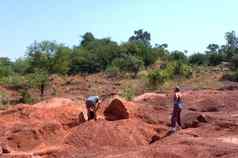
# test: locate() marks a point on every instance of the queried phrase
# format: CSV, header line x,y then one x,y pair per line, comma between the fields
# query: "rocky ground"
x,y
56,128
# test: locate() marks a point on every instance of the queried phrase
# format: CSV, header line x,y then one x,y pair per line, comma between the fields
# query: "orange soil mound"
x,y
119,109
53,128
123,133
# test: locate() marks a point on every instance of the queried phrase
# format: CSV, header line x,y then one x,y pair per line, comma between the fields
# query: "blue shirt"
x,y
93,99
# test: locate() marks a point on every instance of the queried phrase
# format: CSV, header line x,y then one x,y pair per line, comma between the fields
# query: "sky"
x,y
182,24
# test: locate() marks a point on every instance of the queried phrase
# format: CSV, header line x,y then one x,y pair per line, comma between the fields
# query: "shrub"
x,y
3,99
112,71
215,59
157,78
234,61
182,70
128,93
25,97
178,56
232,76
198,59
14,81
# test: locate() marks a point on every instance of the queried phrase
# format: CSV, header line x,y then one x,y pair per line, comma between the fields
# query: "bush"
x,y
128,93
233,76
3,99
215,59
198,59
14,81
176,69
128,63
112,71
158,77
178,56
182,70
234,61
25,97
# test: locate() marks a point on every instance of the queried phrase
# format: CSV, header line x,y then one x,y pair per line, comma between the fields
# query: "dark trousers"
x,y
91,111
176,117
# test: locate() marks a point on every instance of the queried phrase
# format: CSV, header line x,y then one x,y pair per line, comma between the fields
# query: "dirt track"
x,y
56,128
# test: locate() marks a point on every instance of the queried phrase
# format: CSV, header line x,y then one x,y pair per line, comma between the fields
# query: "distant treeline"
x,y
93,55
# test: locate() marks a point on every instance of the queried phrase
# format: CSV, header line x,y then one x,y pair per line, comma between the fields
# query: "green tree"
x,y
87,38
178,56
38,79
141,36
21,65
234,61
61,60
40,55
5,67
231,45
198,59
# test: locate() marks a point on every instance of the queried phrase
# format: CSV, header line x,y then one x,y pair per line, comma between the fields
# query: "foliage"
x,y
26,98
39,79
61,61
158,77
128,93
198,59
215,59
234,61
232,76
141,36
21,66
178,56
14,81
5,67
112,71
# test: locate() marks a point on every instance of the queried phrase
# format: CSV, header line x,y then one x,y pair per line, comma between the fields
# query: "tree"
x,y
38,79
40,55
61,60
198,59
232,44
87,38
212,48
141,36
21,65
234,61
214,54
128,63
178,56
5,67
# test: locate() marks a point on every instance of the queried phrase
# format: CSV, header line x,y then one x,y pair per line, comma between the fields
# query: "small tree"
x,y
157,78
198,59
234,61
39,79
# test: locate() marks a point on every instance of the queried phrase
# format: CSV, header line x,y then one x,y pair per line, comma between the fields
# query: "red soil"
x,y
56,128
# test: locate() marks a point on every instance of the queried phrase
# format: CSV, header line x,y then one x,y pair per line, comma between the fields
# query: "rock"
x,y
119,109
193,119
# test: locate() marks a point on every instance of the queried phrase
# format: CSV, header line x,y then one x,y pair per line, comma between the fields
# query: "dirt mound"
x,y
25,137
152,98
52,129
31,127
207,105
122,133
62,110
119,109
193,119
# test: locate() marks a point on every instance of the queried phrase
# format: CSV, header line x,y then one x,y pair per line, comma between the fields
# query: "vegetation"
x,y
94,55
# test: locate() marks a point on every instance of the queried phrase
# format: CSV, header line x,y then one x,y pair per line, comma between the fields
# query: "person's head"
x,y
177,89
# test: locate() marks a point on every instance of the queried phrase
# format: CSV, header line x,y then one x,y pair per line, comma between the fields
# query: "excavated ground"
x,y
56,128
